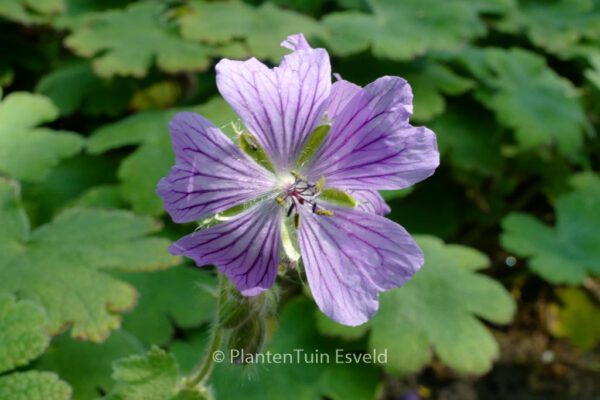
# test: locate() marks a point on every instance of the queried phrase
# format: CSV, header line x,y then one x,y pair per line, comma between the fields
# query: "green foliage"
x,y
555,25
221,23
152,160
127,42
568,252
305,380
87,366
27,151
23,338
528,96
439,309
510,87
60,264
181,296
403,30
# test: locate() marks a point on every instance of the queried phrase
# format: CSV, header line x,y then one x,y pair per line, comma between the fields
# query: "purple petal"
x,y
296,42
370,201
371,145
244,248
341,93
280,106
352,256
211,173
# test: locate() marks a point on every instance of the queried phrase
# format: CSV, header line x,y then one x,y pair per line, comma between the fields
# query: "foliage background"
x,y
507,305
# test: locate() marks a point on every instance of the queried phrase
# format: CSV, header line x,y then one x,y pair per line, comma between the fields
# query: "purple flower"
x,y
350,254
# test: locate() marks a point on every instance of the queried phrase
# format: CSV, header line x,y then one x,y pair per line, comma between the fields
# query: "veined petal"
x,y
370,201
244,248
280,106
372,145
211,173
341,93
352,256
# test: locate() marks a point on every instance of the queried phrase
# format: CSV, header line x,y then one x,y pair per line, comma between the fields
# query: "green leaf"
x,y
140,172
180,296
76,87
60,264
470,141
86,365
528,96
555,25
153,376
126,42
22,332
27,152
33,385
429,84
568,252
578,319
439,309
277,380
30,11
404,30
261,28
23,338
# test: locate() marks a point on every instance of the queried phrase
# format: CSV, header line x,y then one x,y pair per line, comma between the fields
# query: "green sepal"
x,y
337,197
250,146
313,143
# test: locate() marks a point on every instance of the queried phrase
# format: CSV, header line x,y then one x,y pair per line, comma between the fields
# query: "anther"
x,y
297,221
327,213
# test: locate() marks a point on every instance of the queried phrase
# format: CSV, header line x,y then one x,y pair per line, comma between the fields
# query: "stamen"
x,y
297,221
296,175
320,184
280,200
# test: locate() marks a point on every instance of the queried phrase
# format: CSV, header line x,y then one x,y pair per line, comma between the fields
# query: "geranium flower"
x,y
322,151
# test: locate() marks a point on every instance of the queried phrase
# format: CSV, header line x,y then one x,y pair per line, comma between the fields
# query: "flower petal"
x,y
341,93
370,201
244,248
371,145
280,106
211,173
352,256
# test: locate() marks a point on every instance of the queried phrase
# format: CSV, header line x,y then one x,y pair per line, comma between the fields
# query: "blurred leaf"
x,y
528,96
126,42
303,379
162,94
87,366
403,30
470,141
154,376
75,87
439,309
26,151
22,332
578,319
555,25
139,173
30,11
106,196
179,296
568,252
59,264
261,28
33,385
44,199
23,338
429,85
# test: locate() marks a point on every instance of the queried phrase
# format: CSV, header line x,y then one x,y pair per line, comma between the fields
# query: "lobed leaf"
x,y
60,264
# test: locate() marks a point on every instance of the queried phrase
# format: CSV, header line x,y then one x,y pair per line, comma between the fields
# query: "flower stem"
x,y
204,368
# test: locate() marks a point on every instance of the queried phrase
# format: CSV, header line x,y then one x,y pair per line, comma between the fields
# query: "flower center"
x,y
297,191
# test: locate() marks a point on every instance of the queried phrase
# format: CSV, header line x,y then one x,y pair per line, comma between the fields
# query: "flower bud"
x,y
248,339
